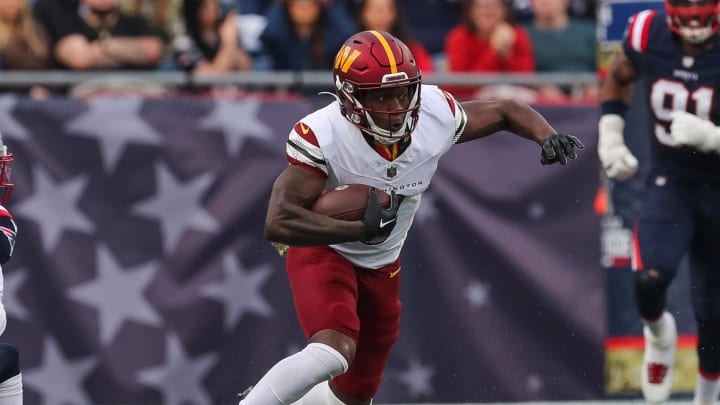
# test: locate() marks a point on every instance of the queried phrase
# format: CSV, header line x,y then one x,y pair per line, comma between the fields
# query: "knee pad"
x,y
708,348
9,362
650,288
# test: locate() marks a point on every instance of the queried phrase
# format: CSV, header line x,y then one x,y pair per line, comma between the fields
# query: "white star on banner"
x,y
53,206
536,210
180,378
477,293
117,294
239,291
12,284
238,120
178,206
114,122
427,210
9,126
417,378
58,379
534,383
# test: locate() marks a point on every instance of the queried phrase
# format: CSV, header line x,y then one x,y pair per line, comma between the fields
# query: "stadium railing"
x,y
275,80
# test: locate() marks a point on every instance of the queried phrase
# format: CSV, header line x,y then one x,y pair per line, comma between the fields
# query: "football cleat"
x,y
656,376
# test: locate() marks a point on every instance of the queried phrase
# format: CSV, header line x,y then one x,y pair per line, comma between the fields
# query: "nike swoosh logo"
x,y
395,273
383,224
304,129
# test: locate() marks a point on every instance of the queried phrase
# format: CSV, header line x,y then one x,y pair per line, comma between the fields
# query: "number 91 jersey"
x,y
675,81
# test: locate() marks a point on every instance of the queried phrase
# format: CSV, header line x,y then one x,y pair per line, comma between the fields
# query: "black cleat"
x,y
245,393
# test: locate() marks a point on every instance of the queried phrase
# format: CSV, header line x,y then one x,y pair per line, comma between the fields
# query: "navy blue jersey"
x,y
675,81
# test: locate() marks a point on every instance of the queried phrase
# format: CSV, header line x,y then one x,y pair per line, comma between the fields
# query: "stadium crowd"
x,y
216,36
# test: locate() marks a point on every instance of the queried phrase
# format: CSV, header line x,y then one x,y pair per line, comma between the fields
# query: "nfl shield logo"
x,y
688,62
392,171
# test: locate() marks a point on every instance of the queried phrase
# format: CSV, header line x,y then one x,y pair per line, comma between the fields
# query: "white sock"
x,y
11,391
321,394
706,390
658,326
288,380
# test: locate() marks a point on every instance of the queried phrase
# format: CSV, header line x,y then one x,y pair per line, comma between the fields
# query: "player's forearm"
x,y
525,121
296,226
619,80
614,90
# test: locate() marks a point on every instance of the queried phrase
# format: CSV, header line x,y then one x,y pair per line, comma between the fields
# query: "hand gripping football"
x,y
347,202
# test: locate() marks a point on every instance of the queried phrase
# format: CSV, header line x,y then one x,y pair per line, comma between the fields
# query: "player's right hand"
x,y
616,159
379,221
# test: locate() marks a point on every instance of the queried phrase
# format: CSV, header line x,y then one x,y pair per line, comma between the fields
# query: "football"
x,y
347,202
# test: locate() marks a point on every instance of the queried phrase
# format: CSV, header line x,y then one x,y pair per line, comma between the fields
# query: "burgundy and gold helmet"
x,y
6,185
372,60
693,20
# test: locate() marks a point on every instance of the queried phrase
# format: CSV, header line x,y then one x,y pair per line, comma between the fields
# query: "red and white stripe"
x,y
639,29
459,114
303,148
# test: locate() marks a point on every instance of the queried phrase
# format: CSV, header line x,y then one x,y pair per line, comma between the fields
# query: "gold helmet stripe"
x,y
388,51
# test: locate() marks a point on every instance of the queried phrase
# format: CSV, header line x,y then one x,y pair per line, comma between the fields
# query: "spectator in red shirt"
x,y
488,41
383,15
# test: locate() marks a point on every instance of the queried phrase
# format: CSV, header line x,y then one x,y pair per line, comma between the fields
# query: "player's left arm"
x,y
7,244
691,130
488,117
8,233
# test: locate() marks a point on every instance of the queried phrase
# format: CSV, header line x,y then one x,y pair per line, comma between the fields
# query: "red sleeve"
x,y
522,59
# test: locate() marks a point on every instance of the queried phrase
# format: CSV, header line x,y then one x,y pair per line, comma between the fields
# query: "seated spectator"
x,y
383,15
305,34
212,43
95,34
23,43
488,41
563,44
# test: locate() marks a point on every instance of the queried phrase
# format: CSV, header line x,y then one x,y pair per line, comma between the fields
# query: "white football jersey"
x,y
327,142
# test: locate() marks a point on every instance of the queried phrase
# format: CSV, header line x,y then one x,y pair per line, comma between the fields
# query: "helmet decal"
x,y
344,59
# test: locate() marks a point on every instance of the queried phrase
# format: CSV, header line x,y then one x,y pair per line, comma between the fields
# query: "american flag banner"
x,y
140,273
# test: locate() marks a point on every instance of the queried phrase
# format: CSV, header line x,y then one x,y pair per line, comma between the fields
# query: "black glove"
x,y
379,221
558,148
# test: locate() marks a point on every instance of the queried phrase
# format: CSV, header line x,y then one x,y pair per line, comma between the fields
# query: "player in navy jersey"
x,y
677,53
10,377
387,130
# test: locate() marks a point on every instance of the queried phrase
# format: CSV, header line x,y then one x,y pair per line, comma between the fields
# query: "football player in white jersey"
x,y
345,274
10,377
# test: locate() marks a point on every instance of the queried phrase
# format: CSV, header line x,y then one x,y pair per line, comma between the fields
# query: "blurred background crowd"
x,y
222,36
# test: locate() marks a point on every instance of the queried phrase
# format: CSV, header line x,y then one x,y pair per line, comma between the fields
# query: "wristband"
x,y
617,107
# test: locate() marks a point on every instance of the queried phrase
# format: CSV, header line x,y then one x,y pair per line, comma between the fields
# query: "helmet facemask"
x,y
362,115
693,20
